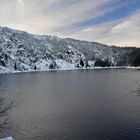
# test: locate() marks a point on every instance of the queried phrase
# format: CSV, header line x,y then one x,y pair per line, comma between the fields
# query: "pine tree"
x,y
15,66
81,62
87,63
35,67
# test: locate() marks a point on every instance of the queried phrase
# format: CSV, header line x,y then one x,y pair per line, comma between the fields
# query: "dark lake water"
x,y
73,105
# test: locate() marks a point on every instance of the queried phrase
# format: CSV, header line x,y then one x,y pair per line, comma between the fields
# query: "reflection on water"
x,y
73,105
5,107
136,90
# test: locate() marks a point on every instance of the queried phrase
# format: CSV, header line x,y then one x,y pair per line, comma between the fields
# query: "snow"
x,y
8,138
23,52
63,65
91,63
4,70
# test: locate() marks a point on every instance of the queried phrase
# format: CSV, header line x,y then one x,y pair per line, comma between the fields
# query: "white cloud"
x,y
61,17
20,6
51,16
124,32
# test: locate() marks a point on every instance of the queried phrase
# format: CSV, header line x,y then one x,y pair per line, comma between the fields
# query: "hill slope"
x,y
21,51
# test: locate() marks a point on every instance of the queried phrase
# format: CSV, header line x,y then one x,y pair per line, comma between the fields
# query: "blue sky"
x,y
113,22
121,9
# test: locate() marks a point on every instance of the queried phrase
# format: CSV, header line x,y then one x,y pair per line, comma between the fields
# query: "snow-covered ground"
x,y
7,71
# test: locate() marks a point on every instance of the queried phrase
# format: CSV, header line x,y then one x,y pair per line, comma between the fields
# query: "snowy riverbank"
x,y
8,71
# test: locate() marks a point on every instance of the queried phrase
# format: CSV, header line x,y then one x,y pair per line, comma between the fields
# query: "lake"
x,y
73,105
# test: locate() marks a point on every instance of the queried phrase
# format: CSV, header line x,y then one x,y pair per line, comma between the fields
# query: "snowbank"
x,y
65,68
8,138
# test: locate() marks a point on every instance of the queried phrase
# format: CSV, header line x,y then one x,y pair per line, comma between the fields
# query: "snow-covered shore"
x,y
7,71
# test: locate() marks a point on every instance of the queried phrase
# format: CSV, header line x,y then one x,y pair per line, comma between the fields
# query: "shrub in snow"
x,y
53,65
136,61
2,63
5,57
77,66
35,67
87,65
102,63
60,56
81,62
15,66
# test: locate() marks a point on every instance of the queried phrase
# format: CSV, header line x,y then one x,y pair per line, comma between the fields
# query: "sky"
x,y
113,22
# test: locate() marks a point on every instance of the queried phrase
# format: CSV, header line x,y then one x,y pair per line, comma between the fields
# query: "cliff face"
x,y
20,51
